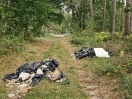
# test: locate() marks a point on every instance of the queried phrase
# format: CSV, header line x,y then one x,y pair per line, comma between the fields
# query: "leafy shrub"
x,y
78,41
111,70
122,69
126,86
114,36
10,44
128,67
101,36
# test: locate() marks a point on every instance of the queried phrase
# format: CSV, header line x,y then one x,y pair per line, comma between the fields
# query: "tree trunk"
x,y
73,14
104,15
127,20
113,16
83,21
91,8
131,23
80,20
122,17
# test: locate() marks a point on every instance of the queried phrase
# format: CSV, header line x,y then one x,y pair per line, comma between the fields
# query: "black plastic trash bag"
x,y
10,77
51,64
28,68
84,52
36,79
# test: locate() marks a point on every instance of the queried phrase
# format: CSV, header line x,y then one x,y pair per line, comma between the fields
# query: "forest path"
x,y
94,87
84,77
60,49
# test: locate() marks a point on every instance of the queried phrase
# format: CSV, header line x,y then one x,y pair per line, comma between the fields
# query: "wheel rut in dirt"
x,y
84,77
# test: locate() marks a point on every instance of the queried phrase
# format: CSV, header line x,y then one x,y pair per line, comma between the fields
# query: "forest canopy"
x,y
27,17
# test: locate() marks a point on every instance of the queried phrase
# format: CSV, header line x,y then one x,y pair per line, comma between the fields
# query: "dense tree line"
x,y
101,15
26,17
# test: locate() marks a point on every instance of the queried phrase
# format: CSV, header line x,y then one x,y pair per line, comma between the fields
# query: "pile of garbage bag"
x,y
90,53
34,72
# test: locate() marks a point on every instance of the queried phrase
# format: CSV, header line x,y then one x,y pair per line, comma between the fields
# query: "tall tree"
x,y
113,16
82,10
127,20
73,14
71,5
104,15
131,22
122,17
91,7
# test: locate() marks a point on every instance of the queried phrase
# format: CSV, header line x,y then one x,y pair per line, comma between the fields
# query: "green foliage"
x,y
56,17
27,17
112,37
126,86
111,70
10,44
52,28
119,65
118,16
128,68
24,19
66,23
101,36
90,24
3,92
98,15
94,23
81,15
78,41
21,15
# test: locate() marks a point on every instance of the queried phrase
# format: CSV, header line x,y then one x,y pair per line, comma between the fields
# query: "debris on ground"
x,y
29,74
90,53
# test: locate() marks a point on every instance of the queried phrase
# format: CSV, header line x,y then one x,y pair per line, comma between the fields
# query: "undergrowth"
x,y
78,41
119,65
10,44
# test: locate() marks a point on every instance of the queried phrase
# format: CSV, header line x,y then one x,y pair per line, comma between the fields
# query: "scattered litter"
x,y
100,52
90,53
29,74
11,95
24,76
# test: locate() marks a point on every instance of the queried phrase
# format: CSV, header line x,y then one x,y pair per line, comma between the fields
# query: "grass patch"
x,y
69,89
46,90
126,86
3,92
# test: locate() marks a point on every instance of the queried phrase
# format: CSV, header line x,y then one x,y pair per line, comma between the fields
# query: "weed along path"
x,y
81,83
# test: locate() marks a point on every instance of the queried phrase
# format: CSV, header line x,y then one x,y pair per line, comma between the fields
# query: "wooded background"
x,y
91,23
26,17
